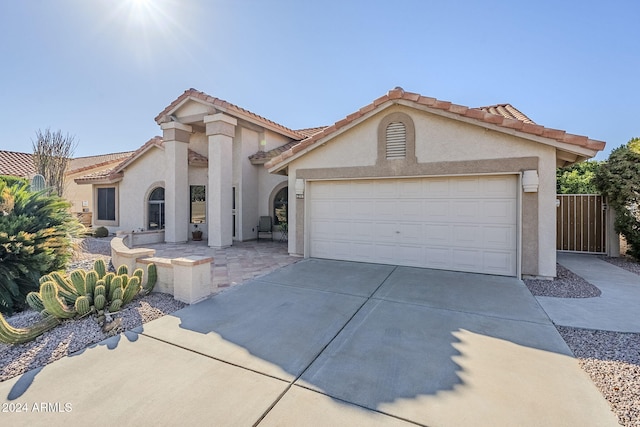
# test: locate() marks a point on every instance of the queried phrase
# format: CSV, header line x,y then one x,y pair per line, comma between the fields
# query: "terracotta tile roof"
x,y
78,164
507,111
263,156
117,172
310,131
16,164
225,106
500,118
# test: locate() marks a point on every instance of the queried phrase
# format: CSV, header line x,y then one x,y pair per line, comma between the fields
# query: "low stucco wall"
x,y
188,279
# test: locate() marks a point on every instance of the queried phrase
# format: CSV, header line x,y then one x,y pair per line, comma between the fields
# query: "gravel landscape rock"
x,y
567,284
611,359
76,334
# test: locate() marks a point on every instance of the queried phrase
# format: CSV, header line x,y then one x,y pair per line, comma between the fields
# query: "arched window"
x,y
280,202
156,209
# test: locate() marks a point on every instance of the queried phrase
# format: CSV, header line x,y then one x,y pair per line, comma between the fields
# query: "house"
x,y
406,180
81,197
206,171
416,181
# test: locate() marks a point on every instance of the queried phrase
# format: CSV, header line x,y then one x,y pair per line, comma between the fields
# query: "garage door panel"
x,y
467,259
385,209
409,210
467,235
438,258
465,187
436,188
322,209
437,209
410,189
500,237
437,234
498,261
456,223
361,209
499,210
501,187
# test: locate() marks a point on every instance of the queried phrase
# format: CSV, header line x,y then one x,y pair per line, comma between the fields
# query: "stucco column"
x,y
220,131
176,190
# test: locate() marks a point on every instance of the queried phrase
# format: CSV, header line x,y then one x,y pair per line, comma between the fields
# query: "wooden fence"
x,y
581,223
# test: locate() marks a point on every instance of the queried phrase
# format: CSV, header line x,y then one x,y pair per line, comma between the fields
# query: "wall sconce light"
x,y
530,181
299,188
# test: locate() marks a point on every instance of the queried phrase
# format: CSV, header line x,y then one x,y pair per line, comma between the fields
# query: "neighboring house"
x,y
405,180
80,197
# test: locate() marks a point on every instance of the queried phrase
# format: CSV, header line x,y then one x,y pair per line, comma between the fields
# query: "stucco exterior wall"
x,y
140,178
271,140
245,179
443,147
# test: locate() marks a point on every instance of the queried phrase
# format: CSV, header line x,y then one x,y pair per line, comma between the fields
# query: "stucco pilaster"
x,y
220,132
176,193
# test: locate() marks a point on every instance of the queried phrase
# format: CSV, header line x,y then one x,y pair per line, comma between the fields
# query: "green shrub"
x,y
101,232
619,180
35,238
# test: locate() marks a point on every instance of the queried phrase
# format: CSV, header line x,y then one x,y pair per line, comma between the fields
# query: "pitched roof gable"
x,y
117,172
224,106
503,116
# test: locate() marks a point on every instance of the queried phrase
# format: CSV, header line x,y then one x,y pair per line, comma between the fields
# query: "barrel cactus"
x,y
99,302
100,267
11,335
52,302
83,306
34,301
80,294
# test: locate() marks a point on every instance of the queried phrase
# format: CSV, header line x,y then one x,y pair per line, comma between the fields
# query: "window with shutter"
x,y
396,140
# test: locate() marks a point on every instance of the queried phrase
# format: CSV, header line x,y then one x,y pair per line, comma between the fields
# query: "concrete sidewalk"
x,y
327,343
616,309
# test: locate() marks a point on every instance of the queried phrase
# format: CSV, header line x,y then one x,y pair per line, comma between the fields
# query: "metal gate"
x,y
581,223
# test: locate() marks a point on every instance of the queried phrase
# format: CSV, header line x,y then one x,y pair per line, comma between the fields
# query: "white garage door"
x,y
451,223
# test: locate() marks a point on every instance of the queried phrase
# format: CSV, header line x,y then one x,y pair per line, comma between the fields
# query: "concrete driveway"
x,y
329,343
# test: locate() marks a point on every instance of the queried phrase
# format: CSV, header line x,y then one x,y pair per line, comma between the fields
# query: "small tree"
x,y
619,180
51,154
577,178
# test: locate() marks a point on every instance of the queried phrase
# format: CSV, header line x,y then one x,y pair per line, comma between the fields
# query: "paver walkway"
x,y
233,265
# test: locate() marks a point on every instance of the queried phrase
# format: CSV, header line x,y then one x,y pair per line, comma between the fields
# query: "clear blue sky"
x,y
101,70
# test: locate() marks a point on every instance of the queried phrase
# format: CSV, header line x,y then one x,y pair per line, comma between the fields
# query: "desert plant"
x,y
619,180
35,238
80,294
101,232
